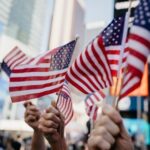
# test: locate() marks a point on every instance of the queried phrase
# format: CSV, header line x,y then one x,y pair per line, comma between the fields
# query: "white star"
x,y
146,8
136,21
143,22
148,20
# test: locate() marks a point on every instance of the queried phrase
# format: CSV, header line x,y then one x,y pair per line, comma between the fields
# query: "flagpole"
x,y
115,100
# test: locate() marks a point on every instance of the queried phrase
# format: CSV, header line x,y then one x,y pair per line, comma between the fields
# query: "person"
x,y
50,125
109,132
32,116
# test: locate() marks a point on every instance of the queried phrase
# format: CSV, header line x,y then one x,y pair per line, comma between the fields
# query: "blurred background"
x,y
38,25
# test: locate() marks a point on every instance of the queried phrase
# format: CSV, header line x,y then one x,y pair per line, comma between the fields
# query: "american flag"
x,y
90,103
113,36
64,103
42,75
139,48
91,71
12,59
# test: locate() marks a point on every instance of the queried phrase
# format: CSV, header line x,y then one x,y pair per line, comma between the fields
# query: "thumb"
x,y
123,132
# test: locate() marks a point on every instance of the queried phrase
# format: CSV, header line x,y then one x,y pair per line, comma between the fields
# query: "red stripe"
x,y
129,90
100,43
79,79
77,86
115,62
85,75
89,71
12,51
31,96
95,67
115,52
31,87
23,55
140,39
35,78
138,55
30,70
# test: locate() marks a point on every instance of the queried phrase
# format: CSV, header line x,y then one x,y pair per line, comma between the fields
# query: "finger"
x,y
33,113
47,130
30,118
48,123
123,132
54,104
32,108
102,131
111,127
52,109
27,104
112,113
98,142
51,116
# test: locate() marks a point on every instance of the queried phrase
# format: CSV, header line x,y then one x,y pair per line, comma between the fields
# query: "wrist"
x,y
59,145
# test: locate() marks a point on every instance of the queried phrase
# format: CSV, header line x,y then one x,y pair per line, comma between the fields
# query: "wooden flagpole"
x,y
115,100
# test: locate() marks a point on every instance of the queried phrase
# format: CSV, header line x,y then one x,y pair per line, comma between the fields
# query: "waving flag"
x,y
90,103
139,48
64,103
90,72
12,59
113,36
42,75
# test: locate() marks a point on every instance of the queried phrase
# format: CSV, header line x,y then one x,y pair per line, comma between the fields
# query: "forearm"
x,y
38,142
60,145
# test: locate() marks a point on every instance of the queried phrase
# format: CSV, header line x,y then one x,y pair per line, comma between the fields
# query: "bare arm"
x,y
32,115
52,125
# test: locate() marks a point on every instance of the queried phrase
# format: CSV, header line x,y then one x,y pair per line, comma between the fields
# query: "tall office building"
x,y
25,21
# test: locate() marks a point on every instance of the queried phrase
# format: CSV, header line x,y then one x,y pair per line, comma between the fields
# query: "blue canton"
x,y
113,33
142,14
61,59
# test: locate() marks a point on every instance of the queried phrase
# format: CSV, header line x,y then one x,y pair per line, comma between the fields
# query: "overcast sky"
x,y
97,10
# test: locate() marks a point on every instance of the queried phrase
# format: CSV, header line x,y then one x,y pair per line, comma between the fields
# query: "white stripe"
x,y
99,96
18,62
88,101
131,82
113,57
126,78
28,66
36,91
89,66
97,48
78,82
136,62
139,47
94,98
87,73
112,48
82,77
114,67
92,113
39,74
15,58
11,55
99,66
140,31
34,83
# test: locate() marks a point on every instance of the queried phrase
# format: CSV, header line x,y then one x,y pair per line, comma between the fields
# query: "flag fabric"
x,y
90,72
41,75
64,103
90,103
139,48
12,59
113,36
